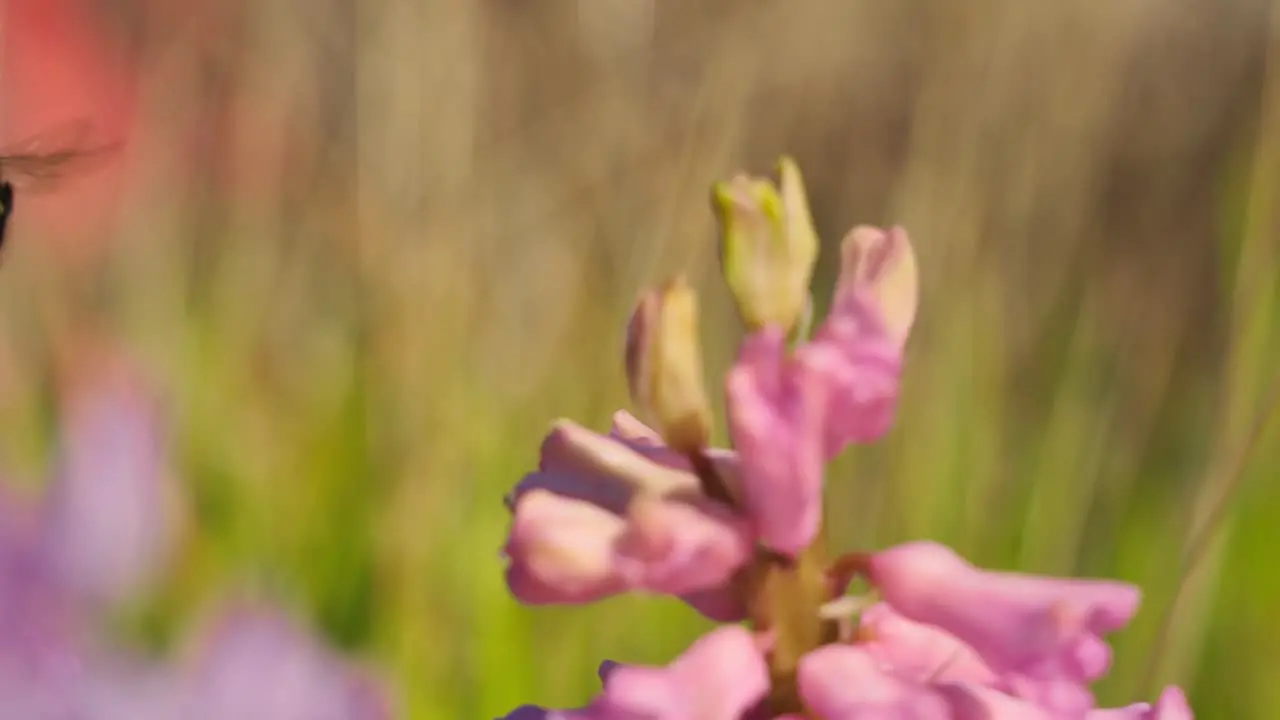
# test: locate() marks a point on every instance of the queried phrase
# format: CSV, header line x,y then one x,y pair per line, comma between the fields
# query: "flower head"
x,y
738,533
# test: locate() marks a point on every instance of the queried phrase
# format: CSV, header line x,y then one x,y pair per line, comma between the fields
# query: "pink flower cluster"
x,y
607,514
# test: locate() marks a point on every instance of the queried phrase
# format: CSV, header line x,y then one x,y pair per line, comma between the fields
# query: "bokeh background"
x,y
367,252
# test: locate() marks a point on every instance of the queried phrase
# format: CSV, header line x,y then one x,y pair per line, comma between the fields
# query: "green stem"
x,y
783,602
784,596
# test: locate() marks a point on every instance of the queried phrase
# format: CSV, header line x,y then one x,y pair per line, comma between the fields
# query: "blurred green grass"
x,y
357,376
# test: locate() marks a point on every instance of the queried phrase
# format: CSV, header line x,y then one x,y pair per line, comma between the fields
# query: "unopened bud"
x,y
664,366
767,246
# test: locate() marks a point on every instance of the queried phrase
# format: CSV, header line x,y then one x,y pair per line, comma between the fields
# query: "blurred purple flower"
x,y
109,527
50,665
31,601
99,535
257,665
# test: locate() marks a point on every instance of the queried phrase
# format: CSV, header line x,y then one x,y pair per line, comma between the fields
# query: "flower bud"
x,y
664,365
767,246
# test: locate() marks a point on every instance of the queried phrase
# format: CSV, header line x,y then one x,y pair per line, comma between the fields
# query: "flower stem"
x,y
784,602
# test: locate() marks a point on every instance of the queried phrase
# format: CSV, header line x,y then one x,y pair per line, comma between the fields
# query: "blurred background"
x,y
367,252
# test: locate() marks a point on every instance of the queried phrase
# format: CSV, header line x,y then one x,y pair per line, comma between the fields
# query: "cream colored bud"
x,y
664,365
768,246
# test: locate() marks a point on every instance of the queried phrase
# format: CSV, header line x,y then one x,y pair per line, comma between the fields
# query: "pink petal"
x,y
599,518
673,547
858,350
719,677
645,441
918,652
776,420
861,379
579,463
878,283
561,550
631,429
722,604
968,701
1043,635
564,550
844,682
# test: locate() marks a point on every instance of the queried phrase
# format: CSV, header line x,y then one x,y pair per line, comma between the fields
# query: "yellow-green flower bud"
x,y
767,246
664,366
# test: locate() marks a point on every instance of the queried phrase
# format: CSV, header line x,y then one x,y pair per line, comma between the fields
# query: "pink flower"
x,y
948,641
945,641
776,418
719,677
641,438
899,669
788,415
723,676
858,350
1043,636
599,518
109,525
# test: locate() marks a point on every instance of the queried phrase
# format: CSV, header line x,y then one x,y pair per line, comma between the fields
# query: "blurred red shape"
x,y
60,65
